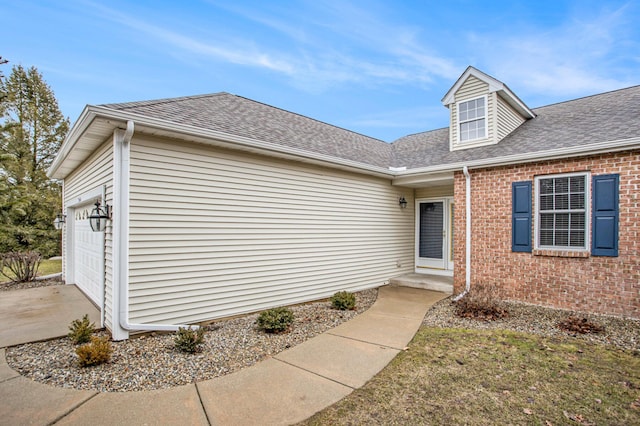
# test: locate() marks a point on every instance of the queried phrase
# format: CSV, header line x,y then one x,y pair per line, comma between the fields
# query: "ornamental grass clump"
x,y
80,331
94,353
343,300
275,320
189,340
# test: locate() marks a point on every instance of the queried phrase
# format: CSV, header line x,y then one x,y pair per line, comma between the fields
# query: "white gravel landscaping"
x,y
152,362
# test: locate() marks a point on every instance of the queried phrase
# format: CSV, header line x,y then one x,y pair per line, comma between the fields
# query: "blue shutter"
x,y
604,232
521,216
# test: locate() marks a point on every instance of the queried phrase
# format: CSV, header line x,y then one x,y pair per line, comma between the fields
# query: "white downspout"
x,y
121,240
467,245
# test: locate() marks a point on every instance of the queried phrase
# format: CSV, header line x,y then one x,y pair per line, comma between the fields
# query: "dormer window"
x,y
472,119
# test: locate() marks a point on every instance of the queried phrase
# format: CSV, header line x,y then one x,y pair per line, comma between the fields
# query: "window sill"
x,y
561,253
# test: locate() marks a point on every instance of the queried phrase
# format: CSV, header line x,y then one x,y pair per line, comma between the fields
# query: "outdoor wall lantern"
x,y
403,202
99,216
59,221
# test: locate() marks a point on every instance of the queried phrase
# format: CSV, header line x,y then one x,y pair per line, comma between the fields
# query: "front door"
x,y
434,232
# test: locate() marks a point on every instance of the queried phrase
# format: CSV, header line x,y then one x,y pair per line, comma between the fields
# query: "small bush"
x,y
189,340
276,320
94,353
343,300
580,325
481,304
20,266
80,331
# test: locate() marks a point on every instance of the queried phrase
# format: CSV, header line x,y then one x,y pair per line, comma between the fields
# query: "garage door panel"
x,y
88,256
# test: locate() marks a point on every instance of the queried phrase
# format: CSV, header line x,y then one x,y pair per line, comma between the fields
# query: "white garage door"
x,y
88,255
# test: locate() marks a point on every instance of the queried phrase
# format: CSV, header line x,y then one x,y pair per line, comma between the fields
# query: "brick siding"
x,y
607,285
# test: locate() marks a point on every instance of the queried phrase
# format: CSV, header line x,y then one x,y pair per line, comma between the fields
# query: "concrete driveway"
x,y
42,313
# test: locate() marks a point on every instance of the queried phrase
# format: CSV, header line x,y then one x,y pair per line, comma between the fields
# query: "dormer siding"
x,y
508,119
482,111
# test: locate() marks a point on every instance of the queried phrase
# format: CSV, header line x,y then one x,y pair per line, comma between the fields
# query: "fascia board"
x,y
494,85
78,129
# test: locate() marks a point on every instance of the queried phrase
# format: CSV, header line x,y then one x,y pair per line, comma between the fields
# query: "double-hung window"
x,y
562,211
472,119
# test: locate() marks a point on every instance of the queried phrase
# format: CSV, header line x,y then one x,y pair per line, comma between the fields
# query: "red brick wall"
x,y
609,285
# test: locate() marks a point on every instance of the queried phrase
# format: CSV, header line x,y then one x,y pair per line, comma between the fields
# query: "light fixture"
x,y
403,202
59,221
99,216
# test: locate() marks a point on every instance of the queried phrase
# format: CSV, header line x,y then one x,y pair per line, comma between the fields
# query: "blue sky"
x,y
376,67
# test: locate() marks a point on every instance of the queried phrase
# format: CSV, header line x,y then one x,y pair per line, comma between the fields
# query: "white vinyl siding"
x,y
215,233
95,172
508,119
435,191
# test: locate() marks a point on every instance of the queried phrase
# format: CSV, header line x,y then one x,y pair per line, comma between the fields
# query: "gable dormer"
x,y
482,110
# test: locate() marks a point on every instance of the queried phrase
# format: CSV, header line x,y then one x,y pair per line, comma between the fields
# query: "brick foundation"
x,y
579,281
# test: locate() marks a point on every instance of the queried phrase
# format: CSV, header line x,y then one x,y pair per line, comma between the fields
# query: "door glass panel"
x,y
431,228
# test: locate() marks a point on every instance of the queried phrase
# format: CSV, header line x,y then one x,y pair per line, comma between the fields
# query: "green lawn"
x,y
450,376
46,267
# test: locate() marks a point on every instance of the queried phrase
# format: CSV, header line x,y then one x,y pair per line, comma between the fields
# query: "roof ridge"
x,y
589,96
133,104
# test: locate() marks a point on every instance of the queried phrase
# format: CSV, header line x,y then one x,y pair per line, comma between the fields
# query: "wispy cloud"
x,y
339,42
571,59
241,52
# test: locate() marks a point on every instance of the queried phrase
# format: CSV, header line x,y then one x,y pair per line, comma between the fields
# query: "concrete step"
x,y
425,281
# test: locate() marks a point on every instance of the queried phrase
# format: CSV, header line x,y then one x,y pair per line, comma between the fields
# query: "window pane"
x,y
577,239
561,238
546,186
561,185
546,202
562,221
577,221
577,183
546,221
562,202
546,237
577,201
472,130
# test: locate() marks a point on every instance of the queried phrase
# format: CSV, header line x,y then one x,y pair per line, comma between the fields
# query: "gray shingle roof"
x,y
244,117
600,118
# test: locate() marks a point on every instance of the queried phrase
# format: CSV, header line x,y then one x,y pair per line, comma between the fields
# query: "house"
x,y
220,205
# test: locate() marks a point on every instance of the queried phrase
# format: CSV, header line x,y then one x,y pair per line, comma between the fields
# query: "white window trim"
x,y
485,118
587,215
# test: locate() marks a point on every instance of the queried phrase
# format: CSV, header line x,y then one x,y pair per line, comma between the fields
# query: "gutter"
x,y
120,229
528,157
467,246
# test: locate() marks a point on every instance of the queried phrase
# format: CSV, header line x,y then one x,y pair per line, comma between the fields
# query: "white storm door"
x,y
434,234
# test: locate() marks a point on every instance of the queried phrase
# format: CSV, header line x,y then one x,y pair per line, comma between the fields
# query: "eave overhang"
x,y
96,124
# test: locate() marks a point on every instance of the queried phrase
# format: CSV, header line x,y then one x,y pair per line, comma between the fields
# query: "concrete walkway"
x,y
41,313
284,389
